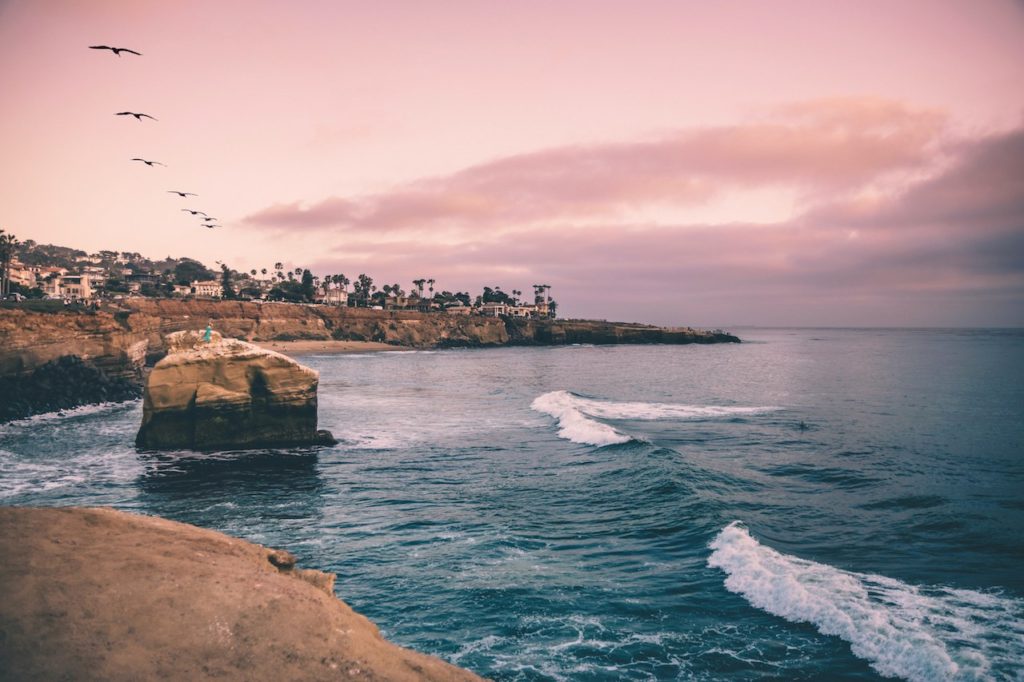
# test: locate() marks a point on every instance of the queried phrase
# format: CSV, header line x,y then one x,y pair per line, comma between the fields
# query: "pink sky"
x,y
726,163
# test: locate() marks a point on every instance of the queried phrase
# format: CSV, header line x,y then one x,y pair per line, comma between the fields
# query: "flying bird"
x,y
210,226
115,50
181,194
138,117
189,210
150,163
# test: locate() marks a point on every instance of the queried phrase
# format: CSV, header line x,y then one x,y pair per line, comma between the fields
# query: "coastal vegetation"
x,y
45,271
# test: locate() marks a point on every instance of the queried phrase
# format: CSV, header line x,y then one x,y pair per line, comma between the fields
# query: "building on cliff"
x,y
76,287
208,288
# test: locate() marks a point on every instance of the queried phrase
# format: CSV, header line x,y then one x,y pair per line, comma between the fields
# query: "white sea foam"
x,y
575,415
81,411
573,424
907,631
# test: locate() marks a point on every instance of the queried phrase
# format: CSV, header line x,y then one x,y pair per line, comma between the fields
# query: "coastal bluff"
x,y
98,594
117,343
227,394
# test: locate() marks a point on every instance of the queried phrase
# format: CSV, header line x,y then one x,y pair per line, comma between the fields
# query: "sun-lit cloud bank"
x,y
892,218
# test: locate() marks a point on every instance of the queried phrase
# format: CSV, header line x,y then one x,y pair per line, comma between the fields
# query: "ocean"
x,y
812,504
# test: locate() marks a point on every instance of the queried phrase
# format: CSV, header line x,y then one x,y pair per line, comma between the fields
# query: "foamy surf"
x,y
911,632
577,415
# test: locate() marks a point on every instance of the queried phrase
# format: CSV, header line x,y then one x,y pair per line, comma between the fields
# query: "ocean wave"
x,y
70,413
573,425
907,631
576,415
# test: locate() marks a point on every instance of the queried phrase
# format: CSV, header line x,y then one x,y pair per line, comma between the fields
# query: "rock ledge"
x,y
98,594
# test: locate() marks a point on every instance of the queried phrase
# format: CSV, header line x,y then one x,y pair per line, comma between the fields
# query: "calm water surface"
x,y
812,504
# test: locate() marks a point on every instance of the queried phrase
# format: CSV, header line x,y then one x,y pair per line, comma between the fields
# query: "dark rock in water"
x,y
61,384
228,394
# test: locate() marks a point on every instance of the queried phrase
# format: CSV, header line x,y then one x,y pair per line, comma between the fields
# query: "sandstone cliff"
x,y
226,393
96,594
120,340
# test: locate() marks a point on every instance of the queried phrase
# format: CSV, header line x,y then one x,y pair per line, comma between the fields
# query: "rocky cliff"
x,y
120,340
559,332
227,394
96,594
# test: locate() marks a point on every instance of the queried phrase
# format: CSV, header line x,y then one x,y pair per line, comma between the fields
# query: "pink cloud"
x,y
947,249
825,146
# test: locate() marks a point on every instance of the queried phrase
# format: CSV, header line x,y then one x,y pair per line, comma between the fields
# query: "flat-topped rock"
x,y
228,394
97,594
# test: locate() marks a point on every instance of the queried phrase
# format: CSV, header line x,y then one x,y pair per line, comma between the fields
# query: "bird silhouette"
x,y
189,210
181,194
150,163
138,117
211,226
115,50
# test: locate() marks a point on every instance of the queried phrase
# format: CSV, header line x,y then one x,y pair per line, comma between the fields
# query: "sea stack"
x,y
226,394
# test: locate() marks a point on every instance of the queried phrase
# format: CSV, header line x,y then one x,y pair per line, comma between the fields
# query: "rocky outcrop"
x,y
121,340
61,384
560,332
227,394
97,594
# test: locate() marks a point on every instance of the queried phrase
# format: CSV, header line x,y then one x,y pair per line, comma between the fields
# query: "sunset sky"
x,y
703,163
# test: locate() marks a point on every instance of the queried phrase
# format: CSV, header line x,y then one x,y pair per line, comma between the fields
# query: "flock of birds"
x,y
208,221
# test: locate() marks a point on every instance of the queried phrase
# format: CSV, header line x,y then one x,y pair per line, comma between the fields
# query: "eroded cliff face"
x,y
227,394
120,340
29,340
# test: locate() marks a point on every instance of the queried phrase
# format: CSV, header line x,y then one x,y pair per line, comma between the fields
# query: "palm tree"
x,y
263,272
430,283
8,242
253,273
418,283
298,271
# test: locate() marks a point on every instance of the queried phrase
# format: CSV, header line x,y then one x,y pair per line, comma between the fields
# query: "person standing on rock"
x,y
208,334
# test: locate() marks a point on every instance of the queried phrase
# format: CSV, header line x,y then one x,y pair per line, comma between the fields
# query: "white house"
x,y
210,288
75,287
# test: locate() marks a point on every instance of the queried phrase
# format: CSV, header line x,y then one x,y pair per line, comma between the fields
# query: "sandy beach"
x,y
325,346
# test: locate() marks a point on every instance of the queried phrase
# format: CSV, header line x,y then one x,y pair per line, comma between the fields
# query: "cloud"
x,y
945,250
816,148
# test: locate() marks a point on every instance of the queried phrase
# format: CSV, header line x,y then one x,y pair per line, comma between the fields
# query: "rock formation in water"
x,y
227,394
97,594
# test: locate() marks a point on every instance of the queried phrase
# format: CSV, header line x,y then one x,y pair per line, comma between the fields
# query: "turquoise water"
x,y
811,504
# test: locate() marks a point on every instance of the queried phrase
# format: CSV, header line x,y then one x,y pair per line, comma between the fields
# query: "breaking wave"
x,y
577,415
907,631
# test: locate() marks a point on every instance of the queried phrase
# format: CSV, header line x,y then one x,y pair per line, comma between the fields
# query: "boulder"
x,y
227,394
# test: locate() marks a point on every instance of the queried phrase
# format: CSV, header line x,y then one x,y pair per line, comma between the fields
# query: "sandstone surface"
x,y
97,594
227,394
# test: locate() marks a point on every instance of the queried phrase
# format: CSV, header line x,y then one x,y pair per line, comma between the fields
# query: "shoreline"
x,y
327,347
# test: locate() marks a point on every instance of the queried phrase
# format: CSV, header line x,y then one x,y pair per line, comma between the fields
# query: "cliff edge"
x,y
97,594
